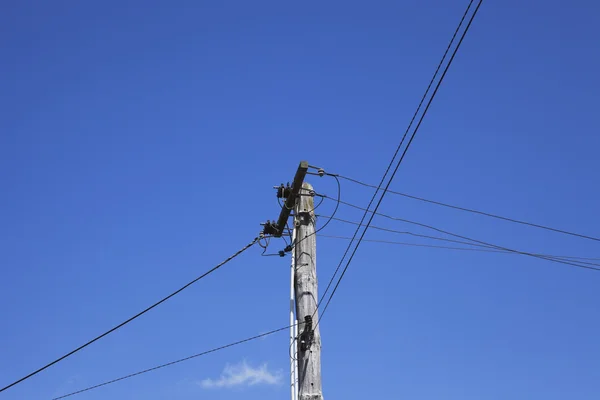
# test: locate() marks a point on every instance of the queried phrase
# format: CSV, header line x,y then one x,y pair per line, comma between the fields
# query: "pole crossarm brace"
x,y
290,202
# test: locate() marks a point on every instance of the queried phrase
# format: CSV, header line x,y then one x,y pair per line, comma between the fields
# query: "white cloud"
x,y
242,374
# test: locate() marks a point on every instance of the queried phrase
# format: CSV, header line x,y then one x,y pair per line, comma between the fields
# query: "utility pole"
x,y
306,287
305,338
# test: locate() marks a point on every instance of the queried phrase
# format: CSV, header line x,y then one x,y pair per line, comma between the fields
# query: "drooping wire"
x,y
254,241
470,210
265,247
171,363
407,145
321,200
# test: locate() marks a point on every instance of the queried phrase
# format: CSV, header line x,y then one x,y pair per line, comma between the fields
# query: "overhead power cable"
x,y
581,260
435,74
483,250
470,210
477,243
255,240
379,228
171,363
416,129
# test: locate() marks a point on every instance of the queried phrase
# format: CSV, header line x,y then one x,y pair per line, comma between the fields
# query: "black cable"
x,y
312,193
477,243
255,240
266,247
172,363
337,205
460,236
483,250
408,144
416,244
480,244
394,156
379,228
475,211
318,205
339,196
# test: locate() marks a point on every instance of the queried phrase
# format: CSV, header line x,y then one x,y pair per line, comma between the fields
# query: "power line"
x,y
435,74
483,250
439,203
409,141
475,242
379,228
172,363
412,244
134,317
478,242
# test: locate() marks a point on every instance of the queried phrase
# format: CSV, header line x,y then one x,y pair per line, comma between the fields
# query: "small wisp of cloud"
x,y
242,374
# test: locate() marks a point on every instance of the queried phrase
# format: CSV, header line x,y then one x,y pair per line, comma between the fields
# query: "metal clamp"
x,y
308,334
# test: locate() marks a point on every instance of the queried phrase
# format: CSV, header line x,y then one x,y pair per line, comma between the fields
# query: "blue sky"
x,y
140,141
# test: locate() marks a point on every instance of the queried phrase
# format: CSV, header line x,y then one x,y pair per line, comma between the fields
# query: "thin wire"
x,y
483,250
318,205
289,232
266,245
439,230
172,363
475,211
416,244
293,357
395,155
477,243
254,241
407,145
411,233
460,236
285,240
339,196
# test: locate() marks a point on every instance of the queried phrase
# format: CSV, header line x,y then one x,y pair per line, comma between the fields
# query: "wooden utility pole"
x,y
309,338
305,338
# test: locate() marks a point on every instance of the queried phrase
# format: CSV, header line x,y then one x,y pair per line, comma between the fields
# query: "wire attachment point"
x,y
269,228
308,334
283,192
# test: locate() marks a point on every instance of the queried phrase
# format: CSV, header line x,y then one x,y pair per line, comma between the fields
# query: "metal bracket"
x,y
303,218
290,201
308,334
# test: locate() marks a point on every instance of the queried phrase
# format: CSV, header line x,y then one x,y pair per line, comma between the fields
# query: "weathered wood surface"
x,y
306,286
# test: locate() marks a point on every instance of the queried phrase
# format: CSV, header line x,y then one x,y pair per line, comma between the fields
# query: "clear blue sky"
x,y
139,141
